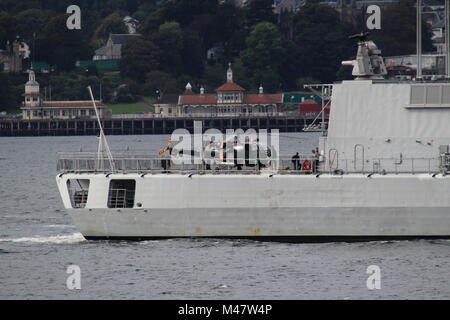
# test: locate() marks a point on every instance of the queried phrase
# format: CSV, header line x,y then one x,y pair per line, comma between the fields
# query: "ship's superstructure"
x,y
383,126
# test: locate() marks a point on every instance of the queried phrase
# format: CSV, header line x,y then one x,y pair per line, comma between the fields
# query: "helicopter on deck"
x,y
235,152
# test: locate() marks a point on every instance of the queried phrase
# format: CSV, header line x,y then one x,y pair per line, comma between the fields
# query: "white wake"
x,y
59,239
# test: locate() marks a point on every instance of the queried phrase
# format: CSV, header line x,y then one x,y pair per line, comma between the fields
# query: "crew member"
x,y
296,161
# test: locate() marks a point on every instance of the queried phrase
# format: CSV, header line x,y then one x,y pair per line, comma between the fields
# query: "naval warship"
x,y
381,172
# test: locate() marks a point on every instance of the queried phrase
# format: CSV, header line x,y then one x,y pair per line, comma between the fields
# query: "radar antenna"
x,y
360,36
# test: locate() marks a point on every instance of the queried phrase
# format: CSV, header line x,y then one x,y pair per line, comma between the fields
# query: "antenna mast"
x,y
103,146
447,39
419,40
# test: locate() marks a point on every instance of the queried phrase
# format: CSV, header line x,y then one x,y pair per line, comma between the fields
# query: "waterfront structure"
x,y
35,107
230,99
167,105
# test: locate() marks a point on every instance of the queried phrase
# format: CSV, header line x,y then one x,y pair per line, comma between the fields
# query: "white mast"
x,y
419,40
103,146
447,39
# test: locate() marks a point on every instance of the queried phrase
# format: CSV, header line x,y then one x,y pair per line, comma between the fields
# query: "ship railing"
x,y
304,164
137,163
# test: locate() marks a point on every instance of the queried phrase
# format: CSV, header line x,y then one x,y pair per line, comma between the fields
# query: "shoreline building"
x,y
14,56
230,99
112,50
36,108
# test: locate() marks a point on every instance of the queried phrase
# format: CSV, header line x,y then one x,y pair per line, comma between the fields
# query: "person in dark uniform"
x,y
296,161
165,162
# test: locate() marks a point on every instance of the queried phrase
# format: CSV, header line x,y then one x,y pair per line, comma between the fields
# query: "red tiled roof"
x,y
72,104
209,98
230,86
263,98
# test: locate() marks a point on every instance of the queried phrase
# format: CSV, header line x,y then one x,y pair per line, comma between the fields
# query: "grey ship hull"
x,y
283,207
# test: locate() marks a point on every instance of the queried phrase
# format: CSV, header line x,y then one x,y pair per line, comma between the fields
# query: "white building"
x,y
36,108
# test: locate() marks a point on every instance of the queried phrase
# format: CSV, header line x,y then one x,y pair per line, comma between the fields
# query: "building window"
x,y
92,112
35,99
82,112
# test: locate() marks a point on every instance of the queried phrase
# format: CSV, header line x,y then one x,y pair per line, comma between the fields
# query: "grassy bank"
x,y
145,105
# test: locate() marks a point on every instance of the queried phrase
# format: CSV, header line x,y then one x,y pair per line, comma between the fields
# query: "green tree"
x,y
139,57
264,53
184,11
160,81
321,42
192,54
10,94
214,75
152,22
60,46
269,79
32,21
231,29
260,11
8,25
169,39
111,24
264,47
